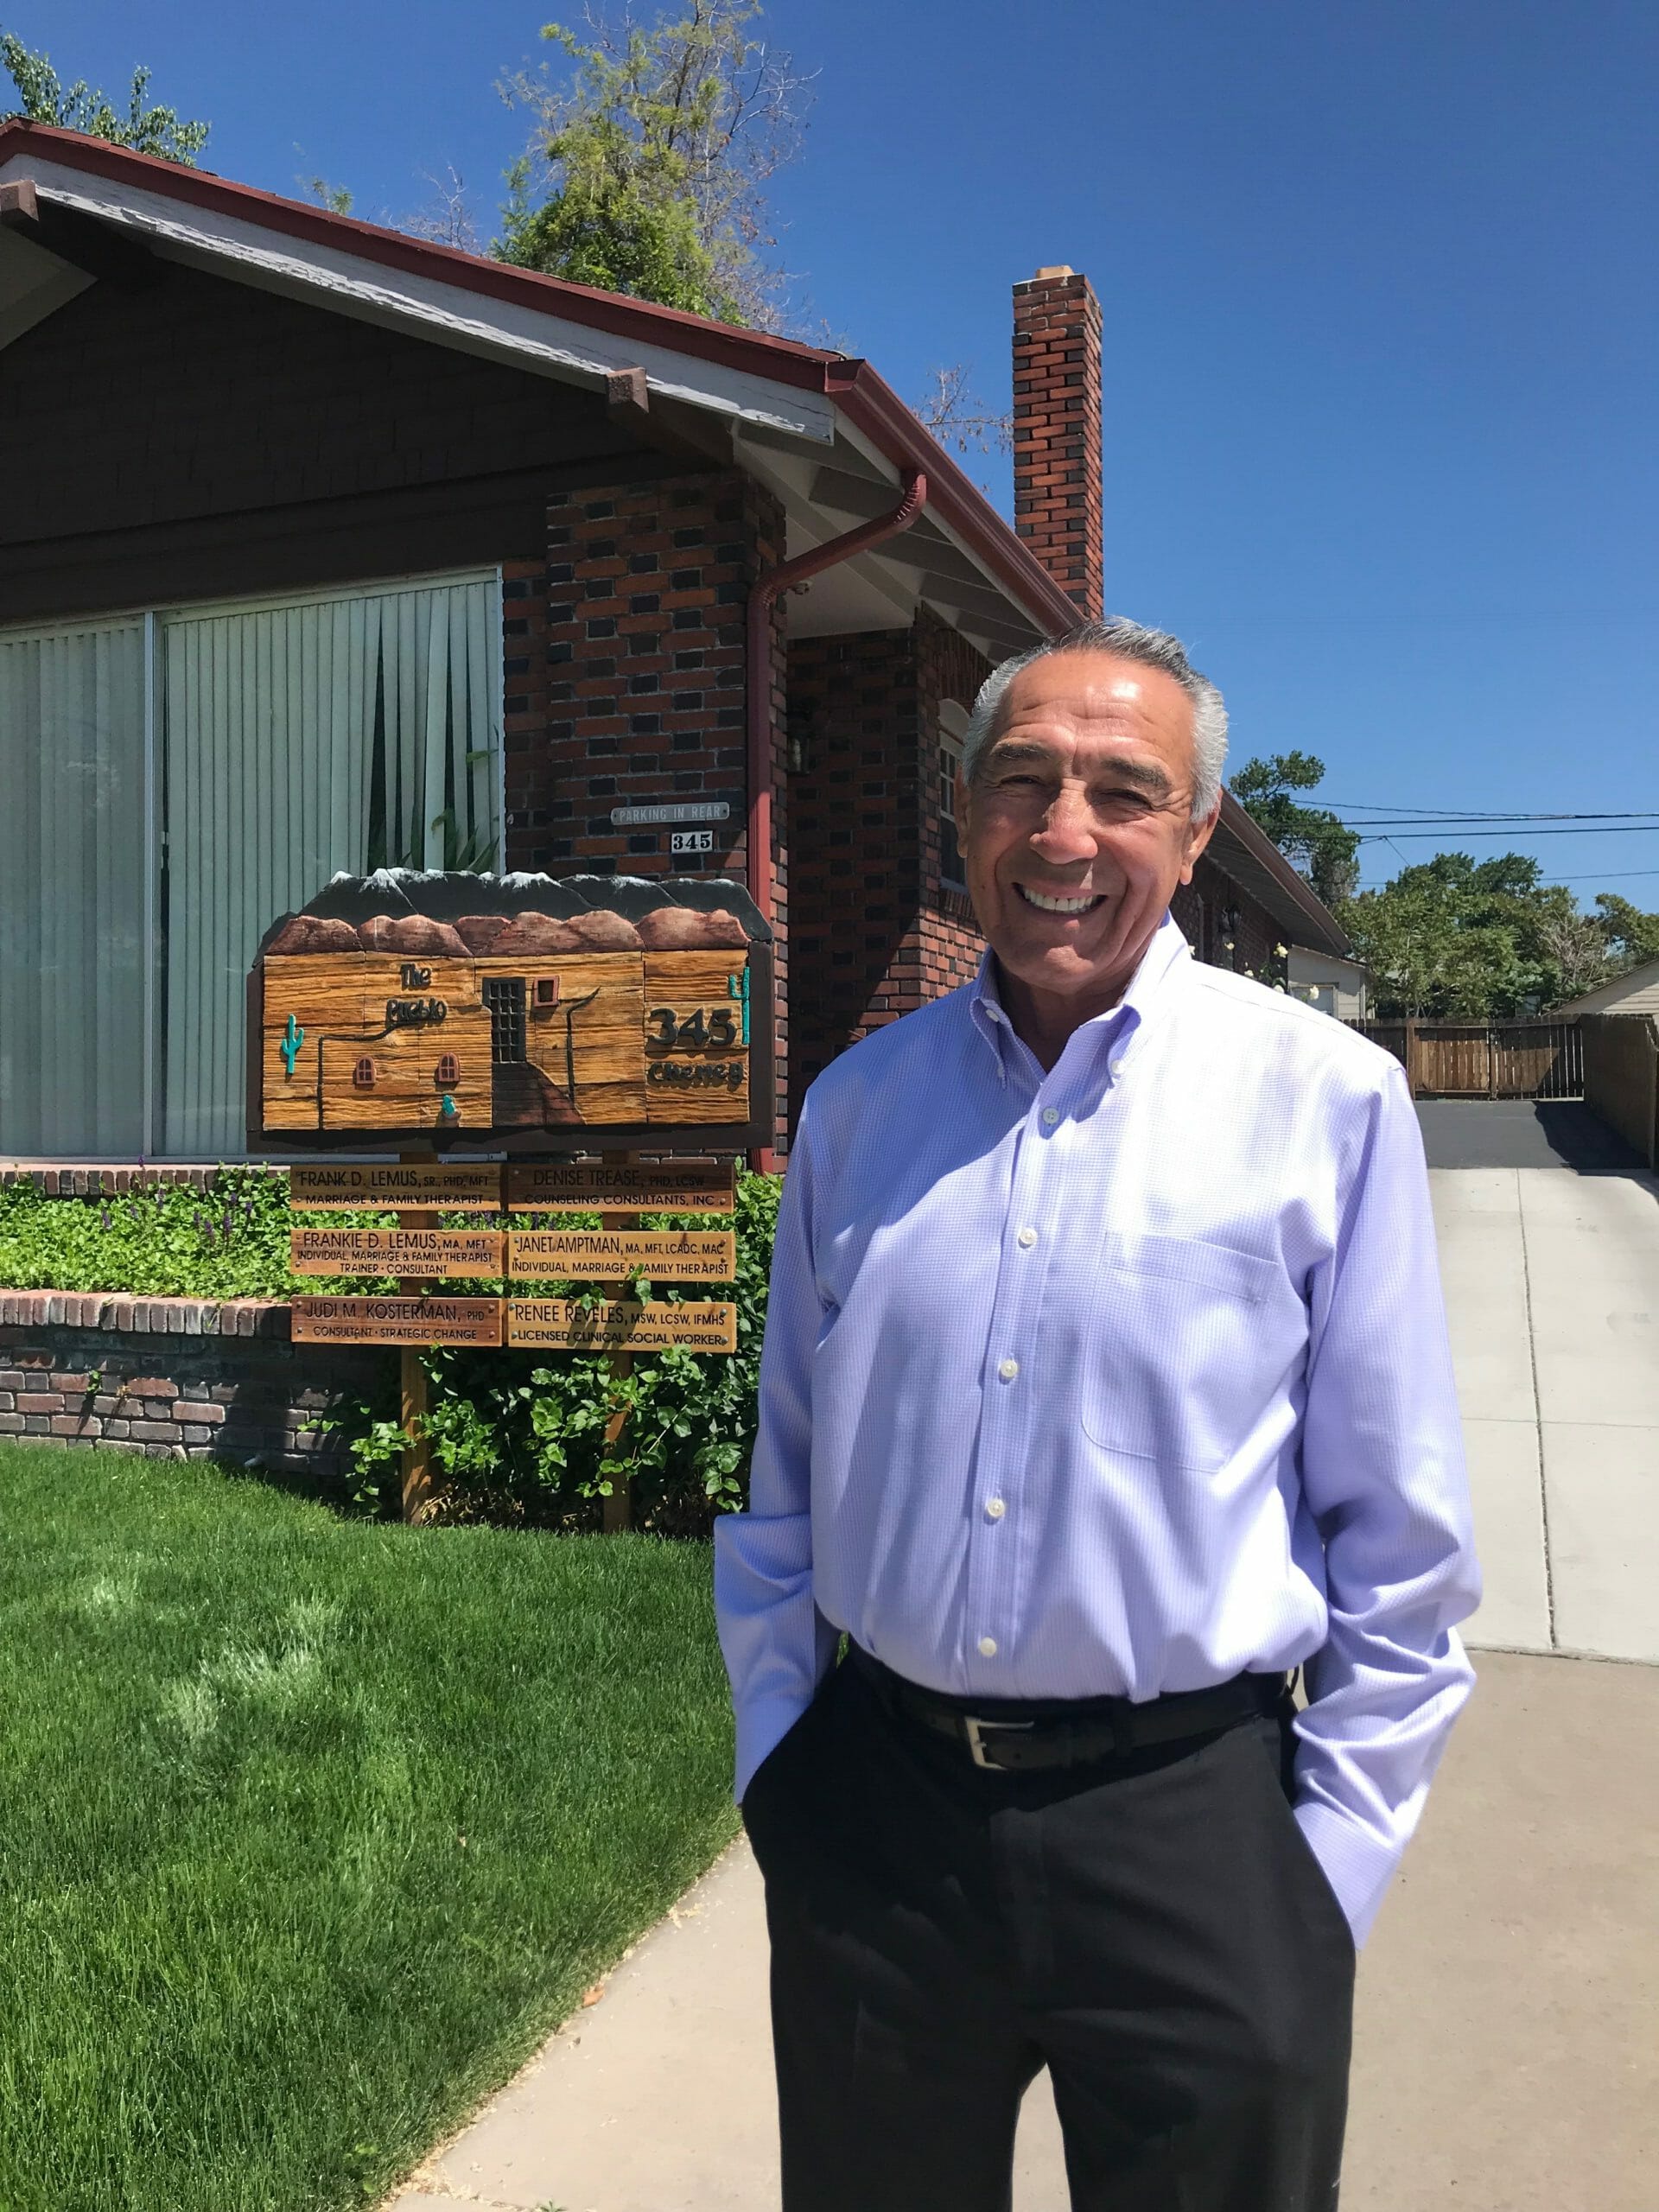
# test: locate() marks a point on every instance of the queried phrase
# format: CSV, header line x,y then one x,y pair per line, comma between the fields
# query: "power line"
x,y
1647,820
1622,830
1480,814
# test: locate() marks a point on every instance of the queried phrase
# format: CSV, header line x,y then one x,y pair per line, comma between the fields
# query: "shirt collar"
x,y
1166,948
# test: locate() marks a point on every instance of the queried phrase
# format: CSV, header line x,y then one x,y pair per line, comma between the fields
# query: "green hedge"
x,y
519,1436
166,1241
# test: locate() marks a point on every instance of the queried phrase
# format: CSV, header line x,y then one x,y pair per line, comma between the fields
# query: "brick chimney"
x,y
1057,430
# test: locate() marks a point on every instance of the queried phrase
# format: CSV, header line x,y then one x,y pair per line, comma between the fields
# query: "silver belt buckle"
x,y
974,1731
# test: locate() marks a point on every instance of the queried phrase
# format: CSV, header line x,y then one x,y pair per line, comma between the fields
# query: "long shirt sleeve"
x,y
1382,1475
775,1643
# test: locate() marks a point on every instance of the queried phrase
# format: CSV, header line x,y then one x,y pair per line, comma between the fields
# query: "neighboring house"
x,y
1636,991
322,546
1326,980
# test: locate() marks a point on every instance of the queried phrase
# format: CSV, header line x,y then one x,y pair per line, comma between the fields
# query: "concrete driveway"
x,y
1552,1287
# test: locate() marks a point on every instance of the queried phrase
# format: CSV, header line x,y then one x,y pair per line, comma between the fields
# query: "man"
x,y
1105,1384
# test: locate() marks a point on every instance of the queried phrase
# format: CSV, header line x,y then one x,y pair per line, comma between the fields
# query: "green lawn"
x,y
310,1829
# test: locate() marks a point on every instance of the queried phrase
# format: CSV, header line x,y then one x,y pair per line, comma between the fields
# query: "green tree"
x,y
42,98
1468,940
1316,841
1630,935
647,170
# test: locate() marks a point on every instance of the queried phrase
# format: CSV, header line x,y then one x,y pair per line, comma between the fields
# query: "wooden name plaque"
x,y
620,1324
340,1185
395,1321
396,1251
601,1255
590,1185
581,1029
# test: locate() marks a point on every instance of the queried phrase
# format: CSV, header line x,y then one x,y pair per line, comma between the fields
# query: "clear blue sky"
x,y
1381,316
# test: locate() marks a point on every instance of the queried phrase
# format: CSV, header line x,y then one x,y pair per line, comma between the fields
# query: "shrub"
x,y
521,1436
167,1239
517,1436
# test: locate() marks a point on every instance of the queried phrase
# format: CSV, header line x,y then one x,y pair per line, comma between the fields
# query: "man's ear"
x,y
1199,835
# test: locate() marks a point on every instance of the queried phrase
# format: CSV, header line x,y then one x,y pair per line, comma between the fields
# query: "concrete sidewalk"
x,y
1506,2052
1552,1289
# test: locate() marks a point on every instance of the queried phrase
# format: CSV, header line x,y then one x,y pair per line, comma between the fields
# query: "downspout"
x,y
763,595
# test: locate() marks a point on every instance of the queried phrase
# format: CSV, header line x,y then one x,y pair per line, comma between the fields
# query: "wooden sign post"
x,y
413,1394
618,1506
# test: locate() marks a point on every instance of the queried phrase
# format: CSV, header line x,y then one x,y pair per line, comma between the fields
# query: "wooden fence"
x,y
1478,1059
1621,1078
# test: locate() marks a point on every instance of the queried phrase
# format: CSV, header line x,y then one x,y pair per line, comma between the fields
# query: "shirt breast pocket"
x,y
1188,1342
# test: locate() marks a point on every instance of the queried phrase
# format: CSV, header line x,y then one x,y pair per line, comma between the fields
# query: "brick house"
x,y
322,547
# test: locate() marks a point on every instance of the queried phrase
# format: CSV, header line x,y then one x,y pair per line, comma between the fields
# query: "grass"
x,y
311,1829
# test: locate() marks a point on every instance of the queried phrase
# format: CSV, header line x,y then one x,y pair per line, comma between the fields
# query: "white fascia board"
x,y
446,312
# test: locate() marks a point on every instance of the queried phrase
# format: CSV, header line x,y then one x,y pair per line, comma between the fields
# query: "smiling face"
x,y
1075,829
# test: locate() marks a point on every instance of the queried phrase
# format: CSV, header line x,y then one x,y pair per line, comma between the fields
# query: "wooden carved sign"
x,y
340,1185
620,1324
415,1322
403,1252
605,1255
518,1011
591,1185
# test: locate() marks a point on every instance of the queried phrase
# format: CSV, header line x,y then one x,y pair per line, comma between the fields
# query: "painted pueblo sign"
x,y
582,1026
591,1185
395,1321
620,1324
396,1251
601,1255
347,1183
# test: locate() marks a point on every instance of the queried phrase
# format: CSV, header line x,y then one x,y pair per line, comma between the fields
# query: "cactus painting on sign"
x,y
607,1009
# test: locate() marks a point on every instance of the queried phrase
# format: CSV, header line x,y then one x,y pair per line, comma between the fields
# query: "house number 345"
x,y
690,1031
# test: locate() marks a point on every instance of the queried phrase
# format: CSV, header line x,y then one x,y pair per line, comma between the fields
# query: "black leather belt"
x,y
1021,1738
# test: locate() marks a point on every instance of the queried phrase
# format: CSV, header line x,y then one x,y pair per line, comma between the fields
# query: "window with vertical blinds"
x,y
277,744
75,857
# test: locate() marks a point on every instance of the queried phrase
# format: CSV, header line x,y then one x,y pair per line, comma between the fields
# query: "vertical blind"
x,y
295,740
73,865
301,740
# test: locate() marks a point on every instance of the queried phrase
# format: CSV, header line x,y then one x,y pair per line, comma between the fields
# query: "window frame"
x,y
949,735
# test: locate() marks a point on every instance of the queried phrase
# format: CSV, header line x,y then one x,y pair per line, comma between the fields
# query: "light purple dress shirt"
x,y
1116,1380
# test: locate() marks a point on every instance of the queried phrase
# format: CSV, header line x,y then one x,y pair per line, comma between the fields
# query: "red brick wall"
x,y
1202,909
1056,462
626,683
950,668
855,828
874,935
177,1378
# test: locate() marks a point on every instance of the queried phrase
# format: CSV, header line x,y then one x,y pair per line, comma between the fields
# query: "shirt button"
x,y
1008,1369
1051,1114
987,1646
995,1507
1117,1069
1026,1238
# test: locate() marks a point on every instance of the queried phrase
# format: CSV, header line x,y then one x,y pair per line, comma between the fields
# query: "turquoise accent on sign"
x,y
293,1037
737,987
449,1111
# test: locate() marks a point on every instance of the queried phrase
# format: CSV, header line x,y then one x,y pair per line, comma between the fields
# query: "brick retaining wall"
x,y
174,1378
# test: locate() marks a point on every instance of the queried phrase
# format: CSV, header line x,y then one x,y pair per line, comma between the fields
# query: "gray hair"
x,y
1125,640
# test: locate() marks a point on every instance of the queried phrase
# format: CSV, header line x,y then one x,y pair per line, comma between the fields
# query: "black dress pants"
x,y
1152,1929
